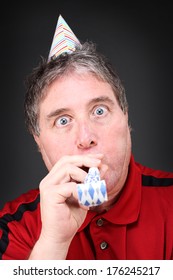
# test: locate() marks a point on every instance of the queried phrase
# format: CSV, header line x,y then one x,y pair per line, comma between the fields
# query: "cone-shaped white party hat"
x,y
64,40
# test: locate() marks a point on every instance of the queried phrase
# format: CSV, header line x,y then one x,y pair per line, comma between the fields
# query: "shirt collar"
x,y
127,207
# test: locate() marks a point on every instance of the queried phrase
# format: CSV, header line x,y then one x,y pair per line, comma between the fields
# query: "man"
x,y
77,112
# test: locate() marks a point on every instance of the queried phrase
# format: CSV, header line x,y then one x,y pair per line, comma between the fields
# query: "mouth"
x,y
84,168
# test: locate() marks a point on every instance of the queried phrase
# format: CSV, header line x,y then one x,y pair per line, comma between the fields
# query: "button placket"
x,y
103,244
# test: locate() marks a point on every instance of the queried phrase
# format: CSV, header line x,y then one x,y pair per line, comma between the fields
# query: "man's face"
x,y
80,115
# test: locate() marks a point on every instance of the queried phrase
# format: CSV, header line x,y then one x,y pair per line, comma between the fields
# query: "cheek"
x,y
117,154
58,146
115,139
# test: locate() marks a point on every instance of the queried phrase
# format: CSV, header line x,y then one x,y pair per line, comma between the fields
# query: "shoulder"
x,y
154,177
26,201
20,226
157,187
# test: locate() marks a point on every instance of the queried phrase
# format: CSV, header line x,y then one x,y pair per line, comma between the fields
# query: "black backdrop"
x,y
137,38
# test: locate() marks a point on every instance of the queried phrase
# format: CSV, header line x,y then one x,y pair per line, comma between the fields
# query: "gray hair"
x,y
85,59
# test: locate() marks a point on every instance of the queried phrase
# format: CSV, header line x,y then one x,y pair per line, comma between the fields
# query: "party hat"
x,y
64,40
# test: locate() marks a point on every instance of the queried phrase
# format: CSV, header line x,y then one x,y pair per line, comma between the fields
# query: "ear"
x,y
37,140
42,151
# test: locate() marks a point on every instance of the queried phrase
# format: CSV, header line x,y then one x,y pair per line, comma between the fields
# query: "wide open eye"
x,y
100,110
63,121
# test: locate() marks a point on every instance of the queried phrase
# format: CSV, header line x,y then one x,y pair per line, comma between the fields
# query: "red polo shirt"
x,y
138,226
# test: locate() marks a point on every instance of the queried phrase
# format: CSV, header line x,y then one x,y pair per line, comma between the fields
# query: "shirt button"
x,y
99,222
103,245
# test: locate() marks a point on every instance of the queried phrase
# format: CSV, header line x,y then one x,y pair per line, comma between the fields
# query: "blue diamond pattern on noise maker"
x,y
93,191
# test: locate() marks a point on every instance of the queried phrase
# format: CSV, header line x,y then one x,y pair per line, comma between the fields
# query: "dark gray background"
x,y
136,37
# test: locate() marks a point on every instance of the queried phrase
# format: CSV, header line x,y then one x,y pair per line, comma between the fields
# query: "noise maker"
x,y
93,191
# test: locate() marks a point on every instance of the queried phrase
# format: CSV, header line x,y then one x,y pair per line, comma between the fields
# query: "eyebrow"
x,y
57,112
96,100
101,99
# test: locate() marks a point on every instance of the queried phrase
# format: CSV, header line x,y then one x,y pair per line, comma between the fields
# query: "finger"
x,y
58,194
68,173
79,160
67,169
72,198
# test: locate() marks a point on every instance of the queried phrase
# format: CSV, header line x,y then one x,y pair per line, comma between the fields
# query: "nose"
x,y
86,137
